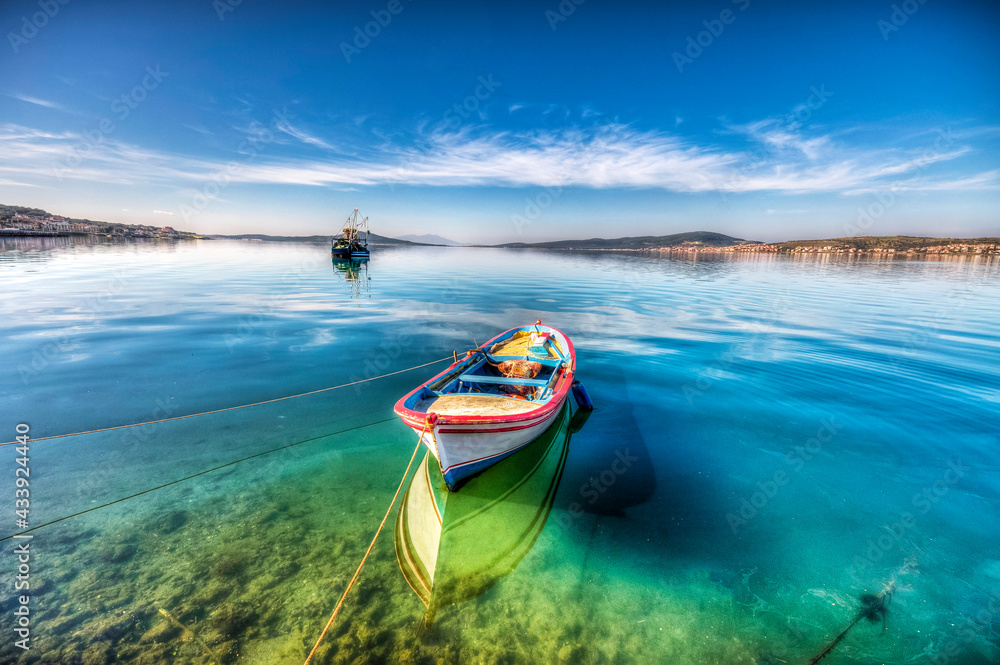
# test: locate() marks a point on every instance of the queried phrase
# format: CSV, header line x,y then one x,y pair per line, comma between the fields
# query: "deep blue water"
x,y
798,432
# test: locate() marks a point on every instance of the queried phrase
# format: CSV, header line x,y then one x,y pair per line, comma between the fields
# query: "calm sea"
x,y
773,438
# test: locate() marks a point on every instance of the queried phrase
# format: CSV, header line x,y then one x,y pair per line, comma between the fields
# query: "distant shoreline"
x,y
969,247
24,233
20,221
979,250
708,242
861,246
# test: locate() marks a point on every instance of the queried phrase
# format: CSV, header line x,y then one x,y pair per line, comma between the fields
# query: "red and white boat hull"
x,y
474,435
465,449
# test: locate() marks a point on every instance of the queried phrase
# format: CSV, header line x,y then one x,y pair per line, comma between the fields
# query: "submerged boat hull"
x,y
452,547
469,432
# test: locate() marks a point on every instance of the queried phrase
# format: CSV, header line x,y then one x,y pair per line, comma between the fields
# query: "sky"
x,y
507,121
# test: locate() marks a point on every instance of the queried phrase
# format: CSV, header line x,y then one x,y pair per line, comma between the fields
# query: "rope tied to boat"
x,y
231,408
364,559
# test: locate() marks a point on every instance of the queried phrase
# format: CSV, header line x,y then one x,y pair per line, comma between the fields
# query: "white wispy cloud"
x,y
36,101
52,156
302,135
547,109
777,135
198,129
16,183
981,181
612,155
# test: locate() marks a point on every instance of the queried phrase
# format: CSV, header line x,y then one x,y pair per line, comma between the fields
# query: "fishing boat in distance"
x,y
352,243
498,398
454,546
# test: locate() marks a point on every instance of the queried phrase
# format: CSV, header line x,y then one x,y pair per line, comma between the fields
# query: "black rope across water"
x,y
200,473
229,408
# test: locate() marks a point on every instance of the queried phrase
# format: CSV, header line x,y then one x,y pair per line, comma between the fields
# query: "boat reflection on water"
x,y
454,546
355,274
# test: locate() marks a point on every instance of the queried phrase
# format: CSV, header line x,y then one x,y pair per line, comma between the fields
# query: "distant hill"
x,y
696,238
373,239
7,211
898,243
431,239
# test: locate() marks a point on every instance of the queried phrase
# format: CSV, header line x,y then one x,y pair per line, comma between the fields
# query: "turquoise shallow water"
x,y
799,432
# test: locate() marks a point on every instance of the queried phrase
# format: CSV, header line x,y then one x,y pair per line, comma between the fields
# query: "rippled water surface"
x,y
773,438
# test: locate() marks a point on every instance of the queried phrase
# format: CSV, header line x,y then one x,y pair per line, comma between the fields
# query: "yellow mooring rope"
x,y
364,559
230,408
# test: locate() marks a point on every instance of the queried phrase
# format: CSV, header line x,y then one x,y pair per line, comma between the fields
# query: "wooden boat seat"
x,y
519,346
482,378
474,404
499,358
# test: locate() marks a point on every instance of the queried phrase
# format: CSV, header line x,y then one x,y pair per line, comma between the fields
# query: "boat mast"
x,y
354,227
351,227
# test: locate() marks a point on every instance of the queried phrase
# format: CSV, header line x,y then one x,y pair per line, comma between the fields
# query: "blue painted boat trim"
x,y
457,474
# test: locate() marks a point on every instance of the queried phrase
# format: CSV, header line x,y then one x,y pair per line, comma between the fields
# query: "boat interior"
x,y
514,375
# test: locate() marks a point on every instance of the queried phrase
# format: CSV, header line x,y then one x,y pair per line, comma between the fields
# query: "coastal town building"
x,y
45,224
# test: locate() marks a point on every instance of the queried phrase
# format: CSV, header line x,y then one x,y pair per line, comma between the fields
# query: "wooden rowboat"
x,y
495,400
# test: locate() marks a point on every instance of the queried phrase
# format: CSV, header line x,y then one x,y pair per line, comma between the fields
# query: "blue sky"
x,y
507,121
